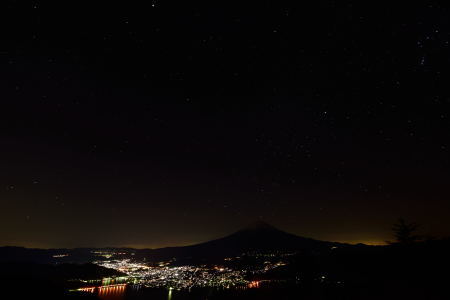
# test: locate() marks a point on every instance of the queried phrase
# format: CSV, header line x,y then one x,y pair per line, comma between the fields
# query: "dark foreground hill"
x,y
21,280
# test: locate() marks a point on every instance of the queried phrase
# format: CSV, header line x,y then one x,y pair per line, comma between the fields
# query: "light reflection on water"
x,y
111,292
127,291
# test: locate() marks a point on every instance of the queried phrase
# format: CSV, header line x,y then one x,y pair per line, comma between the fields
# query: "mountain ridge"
x,y
258,236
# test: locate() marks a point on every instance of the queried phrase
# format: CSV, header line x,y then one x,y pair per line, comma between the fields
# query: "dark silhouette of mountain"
x,y
257,237
54,272
48,281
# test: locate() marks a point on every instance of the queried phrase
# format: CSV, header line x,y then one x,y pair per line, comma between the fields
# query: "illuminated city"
x,y
164,275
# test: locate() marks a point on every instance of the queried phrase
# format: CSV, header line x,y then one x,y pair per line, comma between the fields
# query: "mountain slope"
x,y
259,237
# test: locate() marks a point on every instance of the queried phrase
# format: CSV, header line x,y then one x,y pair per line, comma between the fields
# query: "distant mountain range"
x,y
258,237
397,271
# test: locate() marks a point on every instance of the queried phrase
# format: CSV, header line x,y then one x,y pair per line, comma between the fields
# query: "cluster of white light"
x,y
182,277
186,277
123,265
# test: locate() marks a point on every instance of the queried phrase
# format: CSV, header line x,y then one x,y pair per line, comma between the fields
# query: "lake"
x,y
136,293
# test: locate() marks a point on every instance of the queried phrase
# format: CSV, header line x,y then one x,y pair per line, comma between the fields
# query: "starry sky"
x,y
162,122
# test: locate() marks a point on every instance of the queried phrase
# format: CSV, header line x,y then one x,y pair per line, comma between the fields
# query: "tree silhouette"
x,y
405,232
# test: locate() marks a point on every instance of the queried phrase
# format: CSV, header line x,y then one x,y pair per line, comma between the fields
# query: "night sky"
x,y
156,123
